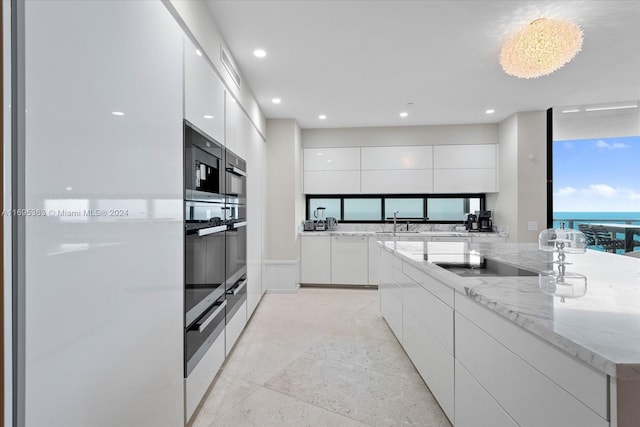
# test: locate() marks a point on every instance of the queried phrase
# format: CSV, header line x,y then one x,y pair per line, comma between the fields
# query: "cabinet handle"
x,y
238,288
202,325
234,170
239,224
211,230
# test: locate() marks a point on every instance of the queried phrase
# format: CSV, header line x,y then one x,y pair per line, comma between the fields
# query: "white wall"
x,y
284,205
522,180
504,204
532,174
400,135
283,188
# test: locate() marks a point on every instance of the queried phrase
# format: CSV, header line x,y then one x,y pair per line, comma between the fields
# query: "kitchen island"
x,y
503,350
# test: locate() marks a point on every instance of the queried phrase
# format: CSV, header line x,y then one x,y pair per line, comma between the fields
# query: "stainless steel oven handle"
x,y
209,319
236,171
239,224
211,230
238,288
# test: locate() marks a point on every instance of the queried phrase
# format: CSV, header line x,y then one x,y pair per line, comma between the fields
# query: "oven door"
x,y
201,334
205,255
236,251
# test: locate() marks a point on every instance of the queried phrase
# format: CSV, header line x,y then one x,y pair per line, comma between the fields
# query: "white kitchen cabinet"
x,y
396,157
451,239
528,396
203,93
391,303
198,382
238,128
103,90
473,404
349,260
465,168
332,159
476,156
331,170
234,327
256,171
332,182
315,259
434,363
397,181
465,181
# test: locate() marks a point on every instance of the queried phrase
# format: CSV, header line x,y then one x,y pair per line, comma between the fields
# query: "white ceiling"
x,y
362,62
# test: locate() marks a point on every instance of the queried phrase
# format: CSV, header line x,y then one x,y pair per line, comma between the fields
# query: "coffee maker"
x,y
471,223
484,221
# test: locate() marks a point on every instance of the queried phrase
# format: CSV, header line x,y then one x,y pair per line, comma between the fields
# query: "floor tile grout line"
x,y
315,405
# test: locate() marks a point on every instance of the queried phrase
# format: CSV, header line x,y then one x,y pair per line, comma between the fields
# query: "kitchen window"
x,y
379,208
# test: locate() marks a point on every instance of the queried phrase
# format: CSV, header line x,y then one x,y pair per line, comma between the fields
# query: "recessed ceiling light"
x,y
69,188
276,100
490,111
575,110
322,117
206,116
198,52
117,113
260,53
404,114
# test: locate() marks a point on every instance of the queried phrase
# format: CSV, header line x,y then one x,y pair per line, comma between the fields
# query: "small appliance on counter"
x,y
471,223
309,225
321,224
484,221
332,223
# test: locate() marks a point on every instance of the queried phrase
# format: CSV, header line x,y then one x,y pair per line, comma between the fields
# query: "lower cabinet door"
x,y
235,326
349,260
433,362
474,406
197,383
391,307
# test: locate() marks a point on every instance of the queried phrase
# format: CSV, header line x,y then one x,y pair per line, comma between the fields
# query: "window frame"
x,y
382,197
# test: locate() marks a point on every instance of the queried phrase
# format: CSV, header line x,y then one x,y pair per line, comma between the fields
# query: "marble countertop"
x,y
601,328
401,234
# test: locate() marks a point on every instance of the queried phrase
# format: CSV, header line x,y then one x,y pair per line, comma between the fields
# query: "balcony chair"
x,y
605,239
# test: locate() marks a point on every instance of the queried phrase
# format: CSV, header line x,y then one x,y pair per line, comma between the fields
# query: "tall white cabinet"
x,y
203,93
103,301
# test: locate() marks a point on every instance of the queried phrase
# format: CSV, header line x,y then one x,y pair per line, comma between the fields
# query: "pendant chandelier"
x,y
540,48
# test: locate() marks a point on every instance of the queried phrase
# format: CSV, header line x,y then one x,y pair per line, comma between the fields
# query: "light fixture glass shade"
x,y
562,240
540,48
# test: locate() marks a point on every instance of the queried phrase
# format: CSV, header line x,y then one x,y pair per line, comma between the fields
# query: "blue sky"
x,y
597,175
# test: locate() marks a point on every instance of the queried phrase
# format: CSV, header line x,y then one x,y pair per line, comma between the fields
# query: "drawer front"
x,y
436,287
431,359
235,325
528,396
433,314
199,380
391,308
583,382
474,406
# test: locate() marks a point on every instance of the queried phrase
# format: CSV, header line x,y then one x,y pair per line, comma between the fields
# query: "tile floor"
x,y
320,357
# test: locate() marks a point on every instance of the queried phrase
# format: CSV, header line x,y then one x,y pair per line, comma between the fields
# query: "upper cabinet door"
x,y
385,158
204,94
332,159
478,156
238,127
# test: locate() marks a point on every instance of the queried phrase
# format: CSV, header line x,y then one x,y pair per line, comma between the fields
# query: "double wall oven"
x,y
215,241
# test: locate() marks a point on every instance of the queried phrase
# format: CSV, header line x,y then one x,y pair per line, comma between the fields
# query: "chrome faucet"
x,y
395,220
